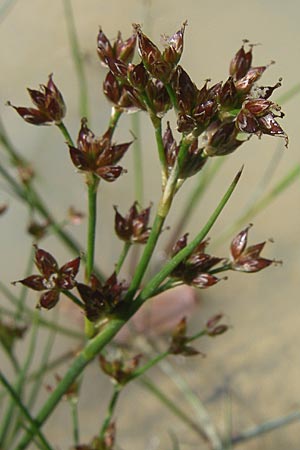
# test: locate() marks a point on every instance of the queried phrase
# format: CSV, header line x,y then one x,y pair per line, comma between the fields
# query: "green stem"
x,y
172,95
262,204
73,298
90,351
16,399
75,419
92,183
205,178
162,212
122,257
111,408
114,118
8,418
77,59
155,282
156,121
137,160
65,133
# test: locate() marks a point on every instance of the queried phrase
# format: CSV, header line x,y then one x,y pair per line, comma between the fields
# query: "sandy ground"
x,y
250,374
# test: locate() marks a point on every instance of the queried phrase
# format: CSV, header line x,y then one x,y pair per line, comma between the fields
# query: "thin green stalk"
x,y
7,420
171,405
172,95
73,298
65,133
92,183
62,359
265,427
44,322
111,409
156,121
75,419
263,203
162,212
205,177
122,257
77,58
92,217
155,282
16,399
92,348
114,118
137,159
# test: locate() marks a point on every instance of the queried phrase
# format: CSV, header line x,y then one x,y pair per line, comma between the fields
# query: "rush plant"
x,y
212,121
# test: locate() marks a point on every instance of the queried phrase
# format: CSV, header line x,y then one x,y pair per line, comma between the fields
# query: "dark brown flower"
x,y
50,105
258,116
53,279
134,226
247,259
118,369
101,299
194,270
120,50
97,155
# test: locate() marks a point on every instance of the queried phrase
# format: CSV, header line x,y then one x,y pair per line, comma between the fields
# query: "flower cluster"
x,y
119,370
53,279
199,268
49,102
101,299
97,155
134,226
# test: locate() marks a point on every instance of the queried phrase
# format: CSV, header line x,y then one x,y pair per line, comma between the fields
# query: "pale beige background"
x,y
258,361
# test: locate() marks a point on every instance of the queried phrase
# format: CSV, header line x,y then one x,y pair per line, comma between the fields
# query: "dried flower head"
x,y
134,226
194,269
53,279
50,105
247,259
101,299
97,155
121,371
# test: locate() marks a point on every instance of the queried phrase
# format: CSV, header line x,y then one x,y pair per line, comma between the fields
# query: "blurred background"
x,y
250,374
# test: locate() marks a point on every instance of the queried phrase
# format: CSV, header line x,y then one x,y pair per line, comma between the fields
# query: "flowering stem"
x,y
186,251
110,411
92,183
75,419
156,121
74,299
137,160
114,118
172,95
122,257
162,212
65,133
205,177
